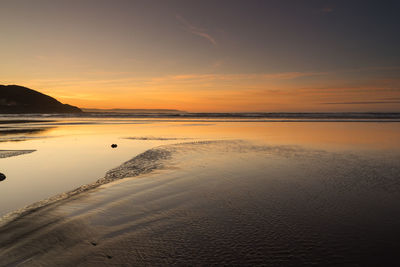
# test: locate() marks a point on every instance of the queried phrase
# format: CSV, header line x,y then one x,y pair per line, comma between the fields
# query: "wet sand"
x,y
13,153
220,203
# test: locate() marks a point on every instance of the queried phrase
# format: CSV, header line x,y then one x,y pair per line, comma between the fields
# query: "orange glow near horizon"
x,y
279,92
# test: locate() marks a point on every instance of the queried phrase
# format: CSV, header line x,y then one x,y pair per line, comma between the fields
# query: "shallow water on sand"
x,y
223,202
323,193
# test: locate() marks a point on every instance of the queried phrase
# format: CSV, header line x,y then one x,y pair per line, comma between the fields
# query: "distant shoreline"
x,y
251,116
119,110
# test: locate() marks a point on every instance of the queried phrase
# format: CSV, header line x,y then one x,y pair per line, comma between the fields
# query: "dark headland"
x,y
18,99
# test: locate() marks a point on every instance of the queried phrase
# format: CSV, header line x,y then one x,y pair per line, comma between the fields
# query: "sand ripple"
x,y
220,203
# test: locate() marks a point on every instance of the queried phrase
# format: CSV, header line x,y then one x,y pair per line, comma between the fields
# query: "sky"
x,y
206,56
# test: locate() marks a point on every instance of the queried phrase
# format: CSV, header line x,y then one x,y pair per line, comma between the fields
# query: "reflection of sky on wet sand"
x,y
264,205
79,151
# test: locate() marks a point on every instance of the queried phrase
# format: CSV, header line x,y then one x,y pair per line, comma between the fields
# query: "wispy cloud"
x,y
195,30
361,103
63,85
327,10
239,76
40,57
217,64
291,75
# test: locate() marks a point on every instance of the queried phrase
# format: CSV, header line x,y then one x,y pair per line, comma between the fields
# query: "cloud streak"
x,y
362,103
195,30
327,10
130,81
236,77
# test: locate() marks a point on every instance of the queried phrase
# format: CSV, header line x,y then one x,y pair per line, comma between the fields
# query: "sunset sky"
x,y
217,55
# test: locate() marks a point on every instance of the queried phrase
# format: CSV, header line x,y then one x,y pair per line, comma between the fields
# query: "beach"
x,y
233,194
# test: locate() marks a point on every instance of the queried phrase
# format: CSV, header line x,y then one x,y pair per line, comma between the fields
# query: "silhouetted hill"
x,y
18,99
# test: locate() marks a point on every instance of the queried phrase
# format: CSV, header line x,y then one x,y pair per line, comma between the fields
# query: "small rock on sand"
x,y
2,177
